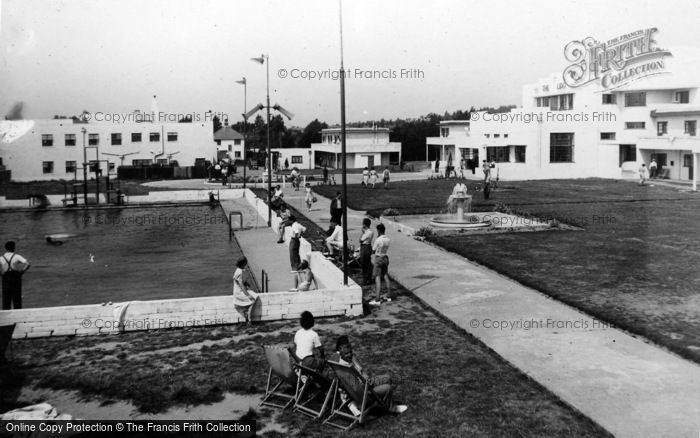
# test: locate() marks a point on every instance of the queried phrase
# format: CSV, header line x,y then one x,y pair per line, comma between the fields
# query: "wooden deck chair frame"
x,y
281,372
357,390
313,389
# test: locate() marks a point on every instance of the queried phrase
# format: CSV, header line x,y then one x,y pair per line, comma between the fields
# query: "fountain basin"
x,y
466,222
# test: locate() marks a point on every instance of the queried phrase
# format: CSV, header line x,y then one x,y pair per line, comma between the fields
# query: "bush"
x,y
425,232
390,212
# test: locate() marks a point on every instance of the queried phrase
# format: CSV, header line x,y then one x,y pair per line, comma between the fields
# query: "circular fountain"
x,y
459,201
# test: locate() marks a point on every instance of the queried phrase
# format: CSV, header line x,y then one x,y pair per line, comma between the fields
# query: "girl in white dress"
x,y
243,298
309,197
372,177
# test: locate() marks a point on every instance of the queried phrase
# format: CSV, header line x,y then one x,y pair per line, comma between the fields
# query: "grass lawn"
x,y
634,265
452,383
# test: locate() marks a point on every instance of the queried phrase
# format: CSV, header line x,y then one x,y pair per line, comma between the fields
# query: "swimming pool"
x,y
122,254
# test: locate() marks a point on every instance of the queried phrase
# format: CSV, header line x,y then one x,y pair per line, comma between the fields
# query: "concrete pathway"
x,y
631,388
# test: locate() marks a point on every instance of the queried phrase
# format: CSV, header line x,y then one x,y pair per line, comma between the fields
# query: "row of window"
x,y
116,138
561,102
496,135
72,166
689,127
639,98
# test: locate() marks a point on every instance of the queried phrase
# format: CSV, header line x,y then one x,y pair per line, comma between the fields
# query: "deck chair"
x,y
356,389
281,373
6,332
314,392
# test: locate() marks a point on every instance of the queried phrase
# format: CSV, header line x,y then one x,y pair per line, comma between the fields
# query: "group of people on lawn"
x,y
308,349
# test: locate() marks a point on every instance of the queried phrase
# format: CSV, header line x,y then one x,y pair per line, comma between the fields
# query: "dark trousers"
x,y
337,214
294,258
11,291
366,262
487,190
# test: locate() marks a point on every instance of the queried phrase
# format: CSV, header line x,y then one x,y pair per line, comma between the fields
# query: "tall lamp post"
x,y
342,150
276,107
262,60
245,125
85,184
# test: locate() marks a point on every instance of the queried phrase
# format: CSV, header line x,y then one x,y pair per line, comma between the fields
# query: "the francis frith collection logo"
x,y
615,62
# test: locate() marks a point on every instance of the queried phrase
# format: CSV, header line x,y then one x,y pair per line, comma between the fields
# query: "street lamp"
x,y
342,149
85,185
245,125
261,60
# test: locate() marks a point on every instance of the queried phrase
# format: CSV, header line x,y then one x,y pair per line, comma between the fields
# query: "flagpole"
x,y
343,151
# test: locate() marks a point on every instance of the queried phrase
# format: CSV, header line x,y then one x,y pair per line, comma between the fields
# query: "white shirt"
x,y
367,236
381,245
305,341
19,263
297,229
337,236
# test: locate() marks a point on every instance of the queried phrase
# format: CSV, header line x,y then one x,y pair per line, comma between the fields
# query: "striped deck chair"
x,y
356,389
282,381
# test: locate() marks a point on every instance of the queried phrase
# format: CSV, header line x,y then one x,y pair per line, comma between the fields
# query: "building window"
x,y
141,162
681,97
688,160
542,102
237,154
116,139
562,102
154,136
136,137
519,154
561,147
444,132
496,135
47,166
172,136
609,99
297,159
70,139
661,128
70,166
635,125
628,152
93,139
230,148
607,136
505,135
487,135
690,126
47,139
499,154
237,142
111,167
636,99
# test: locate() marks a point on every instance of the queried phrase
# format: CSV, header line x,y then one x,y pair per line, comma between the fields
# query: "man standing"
x,y
380,248
325,175
652,169
487,179
385,177
12,266
337,208
366,250
294,243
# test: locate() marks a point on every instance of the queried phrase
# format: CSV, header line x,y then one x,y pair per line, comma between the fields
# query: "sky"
x,y
112,56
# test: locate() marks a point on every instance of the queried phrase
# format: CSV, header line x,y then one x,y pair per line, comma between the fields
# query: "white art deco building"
x,y
591,122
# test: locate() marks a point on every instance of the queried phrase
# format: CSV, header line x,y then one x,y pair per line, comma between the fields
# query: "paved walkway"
x,y
631,388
